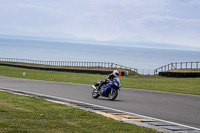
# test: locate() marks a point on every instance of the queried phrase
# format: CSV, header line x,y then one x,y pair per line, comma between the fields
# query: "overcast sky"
x,y
166,21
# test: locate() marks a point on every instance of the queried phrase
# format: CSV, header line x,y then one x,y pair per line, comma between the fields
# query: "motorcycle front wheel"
x,y
95,94
112,95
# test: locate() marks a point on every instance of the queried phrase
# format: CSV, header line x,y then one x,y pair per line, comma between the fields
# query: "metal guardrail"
x,y
145,71
178,65
171,66
68,63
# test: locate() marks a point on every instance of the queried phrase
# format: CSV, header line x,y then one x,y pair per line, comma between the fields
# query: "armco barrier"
x,y
178,65
93,71
180,74
67,63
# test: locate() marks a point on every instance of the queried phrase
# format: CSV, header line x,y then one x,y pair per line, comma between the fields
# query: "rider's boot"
x,y
94,87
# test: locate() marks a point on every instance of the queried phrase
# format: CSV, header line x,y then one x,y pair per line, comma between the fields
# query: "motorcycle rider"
x,y
110,77
113,75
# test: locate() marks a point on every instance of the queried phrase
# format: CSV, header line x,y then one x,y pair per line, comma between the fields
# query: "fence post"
x,y
155,72
168,67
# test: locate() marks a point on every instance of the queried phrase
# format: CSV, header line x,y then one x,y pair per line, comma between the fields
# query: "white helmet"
x,y
116,73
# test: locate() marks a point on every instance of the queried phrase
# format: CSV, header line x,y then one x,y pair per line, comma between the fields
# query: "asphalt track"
x,y
179,108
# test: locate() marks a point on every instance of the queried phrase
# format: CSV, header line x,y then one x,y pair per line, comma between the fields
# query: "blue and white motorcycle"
x,y
107,89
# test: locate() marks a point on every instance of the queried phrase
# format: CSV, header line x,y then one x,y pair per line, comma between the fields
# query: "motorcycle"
x,y
107,89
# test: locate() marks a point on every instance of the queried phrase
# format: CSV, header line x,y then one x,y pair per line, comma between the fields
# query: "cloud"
x,y
155,20
167,29
164,22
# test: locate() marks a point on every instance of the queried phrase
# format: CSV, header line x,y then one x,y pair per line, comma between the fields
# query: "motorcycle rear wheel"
x,y
113,95
95,94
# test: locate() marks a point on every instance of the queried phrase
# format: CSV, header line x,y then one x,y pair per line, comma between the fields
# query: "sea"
x,y
146,60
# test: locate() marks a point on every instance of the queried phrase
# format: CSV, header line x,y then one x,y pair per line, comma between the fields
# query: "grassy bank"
x,y
27,114
40,65
177,85
185,70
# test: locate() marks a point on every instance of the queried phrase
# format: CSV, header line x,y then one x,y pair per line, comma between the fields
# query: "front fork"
x,y
113,90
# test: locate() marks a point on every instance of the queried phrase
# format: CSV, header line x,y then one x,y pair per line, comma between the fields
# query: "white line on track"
x,y
75,101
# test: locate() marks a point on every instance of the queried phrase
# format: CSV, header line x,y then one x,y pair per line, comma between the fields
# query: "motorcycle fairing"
x,y
105,90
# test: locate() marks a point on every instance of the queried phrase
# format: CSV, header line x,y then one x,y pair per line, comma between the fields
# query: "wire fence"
x,y
145,71
178,65
171,66
68,63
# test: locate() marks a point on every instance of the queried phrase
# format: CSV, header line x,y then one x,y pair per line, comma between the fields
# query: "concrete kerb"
x,y
140,120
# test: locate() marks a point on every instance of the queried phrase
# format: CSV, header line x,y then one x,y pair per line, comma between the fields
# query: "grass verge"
x,y
28,114
177,85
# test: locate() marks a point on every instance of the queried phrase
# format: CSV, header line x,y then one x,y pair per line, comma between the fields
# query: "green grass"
x,y
177,85
28,114
77,67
